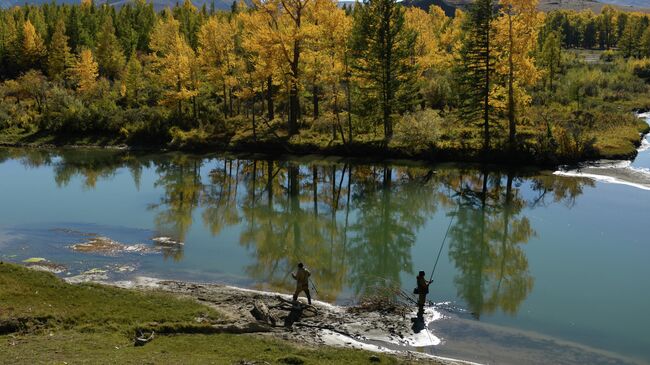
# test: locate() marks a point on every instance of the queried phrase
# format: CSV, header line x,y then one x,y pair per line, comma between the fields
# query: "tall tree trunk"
x,y
315,92
294,102
269,98
511,97
230,108
254,124
225,101
486,93
348,97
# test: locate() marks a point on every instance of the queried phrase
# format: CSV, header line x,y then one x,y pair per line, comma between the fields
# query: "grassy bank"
x,y
45,320
617,140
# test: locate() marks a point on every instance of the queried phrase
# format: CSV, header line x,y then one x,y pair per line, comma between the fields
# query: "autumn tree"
x,y
550,57
190,21
59,57
264,55
382,46
437,41
109,53
607,27
629,42
33,50
217,47
133,81
284,22
325,52
174,60
85,72
515,36
644,43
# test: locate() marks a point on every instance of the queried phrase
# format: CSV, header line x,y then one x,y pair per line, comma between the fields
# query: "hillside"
x,y
545,5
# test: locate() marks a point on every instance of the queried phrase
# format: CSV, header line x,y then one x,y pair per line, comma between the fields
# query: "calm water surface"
x,y
561,256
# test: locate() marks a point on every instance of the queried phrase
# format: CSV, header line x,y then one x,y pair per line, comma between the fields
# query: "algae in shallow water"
x,y
34,260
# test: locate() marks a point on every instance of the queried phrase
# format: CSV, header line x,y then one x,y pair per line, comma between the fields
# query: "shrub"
x,y
418,130
641,68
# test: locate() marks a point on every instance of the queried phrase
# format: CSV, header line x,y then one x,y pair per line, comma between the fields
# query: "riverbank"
x,y
618,143
46,319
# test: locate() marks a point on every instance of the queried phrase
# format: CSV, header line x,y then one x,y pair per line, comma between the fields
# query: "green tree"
x,y
109,53
550,57
644,43
133,81
477,66
382,46
59,58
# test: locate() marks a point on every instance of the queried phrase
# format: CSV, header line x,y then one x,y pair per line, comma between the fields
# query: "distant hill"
x,y
449,9
625,3
158,4
449,6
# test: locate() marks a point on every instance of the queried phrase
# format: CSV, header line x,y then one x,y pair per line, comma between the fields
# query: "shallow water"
x,y
561,257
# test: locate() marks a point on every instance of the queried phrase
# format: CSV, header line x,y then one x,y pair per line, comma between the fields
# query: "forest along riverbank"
x,y
634,172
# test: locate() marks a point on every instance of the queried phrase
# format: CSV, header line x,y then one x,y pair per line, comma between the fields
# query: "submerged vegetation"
x,y
307,76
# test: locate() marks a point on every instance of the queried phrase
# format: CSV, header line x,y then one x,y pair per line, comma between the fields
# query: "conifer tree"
x,y
551,56
85,72
33,50
11,47
382,46
133,81
175,62
59,58
476,66
109,54
644,43
515,38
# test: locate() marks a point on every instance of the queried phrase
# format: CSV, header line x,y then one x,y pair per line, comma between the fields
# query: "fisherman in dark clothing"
x,y
423,290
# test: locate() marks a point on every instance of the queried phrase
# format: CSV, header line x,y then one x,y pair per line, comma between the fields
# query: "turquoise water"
x,y
565,257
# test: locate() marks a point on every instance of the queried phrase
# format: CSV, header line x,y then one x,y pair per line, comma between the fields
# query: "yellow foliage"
x,y
33,46
438,37
85,72
175,62
515,39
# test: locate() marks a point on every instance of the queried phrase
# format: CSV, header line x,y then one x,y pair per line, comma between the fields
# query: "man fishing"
x,y
423,290
302,282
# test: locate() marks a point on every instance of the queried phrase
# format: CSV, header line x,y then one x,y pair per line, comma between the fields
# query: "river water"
x,y
549,267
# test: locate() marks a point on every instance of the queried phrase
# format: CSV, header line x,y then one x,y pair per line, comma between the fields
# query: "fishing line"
x,y
451,221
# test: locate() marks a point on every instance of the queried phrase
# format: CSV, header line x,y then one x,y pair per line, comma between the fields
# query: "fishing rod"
x,y
314,287
451,221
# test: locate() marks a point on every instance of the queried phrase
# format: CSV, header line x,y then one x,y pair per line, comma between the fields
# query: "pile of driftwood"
x,y
384,299
296,310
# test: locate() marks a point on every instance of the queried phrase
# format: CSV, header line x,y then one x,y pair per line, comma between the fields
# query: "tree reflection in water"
x,y
352,225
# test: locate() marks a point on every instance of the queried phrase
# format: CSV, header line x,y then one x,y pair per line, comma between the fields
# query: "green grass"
x,y
92,324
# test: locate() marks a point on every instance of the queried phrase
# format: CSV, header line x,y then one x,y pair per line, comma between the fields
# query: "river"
x,y
548,267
